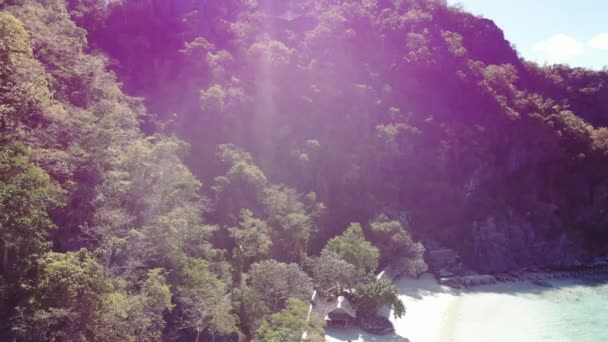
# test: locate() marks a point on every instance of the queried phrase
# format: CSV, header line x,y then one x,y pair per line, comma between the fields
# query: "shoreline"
x,y
439,313
538,276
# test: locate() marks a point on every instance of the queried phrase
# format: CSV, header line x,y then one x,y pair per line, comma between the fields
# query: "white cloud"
x,y
560,48
599,42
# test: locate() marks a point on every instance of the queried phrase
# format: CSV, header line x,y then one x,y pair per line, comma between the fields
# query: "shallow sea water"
x,y
574,310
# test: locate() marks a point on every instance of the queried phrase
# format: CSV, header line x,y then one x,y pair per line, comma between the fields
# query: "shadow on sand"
x,y
426,286
356,334
421,287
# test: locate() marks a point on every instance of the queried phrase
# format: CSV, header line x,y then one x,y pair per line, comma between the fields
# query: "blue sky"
x,y
552,31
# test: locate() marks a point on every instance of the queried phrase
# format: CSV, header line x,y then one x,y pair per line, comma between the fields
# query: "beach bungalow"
x,y
336,313
340,313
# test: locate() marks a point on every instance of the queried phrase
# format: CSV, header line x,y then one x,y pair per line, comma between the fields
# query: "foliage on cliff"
x,y
412,109
269,144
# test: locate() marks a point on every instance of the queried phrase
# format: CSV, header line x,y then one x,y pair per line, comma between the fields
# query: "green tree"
x,y
252,238
67,298
148,210
277,282
154,300
291,221
352,247
24,93
26,195
202,301
147,308
291,324
115,323
242,186
135,317
399,250
332,274
252,309
89,14
376,293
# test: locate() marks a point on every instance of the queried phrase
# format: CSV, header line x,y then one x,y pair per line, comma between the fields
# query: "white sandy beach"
x,y
521,311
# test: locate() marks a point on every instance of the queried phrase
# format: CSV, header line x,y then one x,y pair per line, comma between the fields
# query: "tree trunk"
x,y
198,335
5,258
109,260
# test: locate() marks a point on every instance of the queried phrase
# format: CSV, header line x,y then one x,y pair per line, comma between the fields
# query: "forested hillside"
x,y
191,170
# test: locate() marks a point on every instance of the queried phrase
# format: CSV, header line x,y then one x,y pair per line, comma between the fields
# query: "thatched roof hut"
x,y
337,312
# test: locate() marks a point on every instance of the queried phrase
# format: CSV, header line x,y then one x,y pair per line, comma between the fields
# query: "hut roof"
x,y
345,305
322,307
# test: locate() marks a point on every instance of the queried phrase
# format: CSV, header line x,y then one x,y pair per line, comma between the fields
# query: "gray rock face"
x,y
509,242
527,209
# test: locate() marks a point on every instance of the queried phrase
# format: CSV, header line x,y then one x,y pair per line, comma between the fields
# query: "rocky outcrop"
x,y
509,242
532,215
468,281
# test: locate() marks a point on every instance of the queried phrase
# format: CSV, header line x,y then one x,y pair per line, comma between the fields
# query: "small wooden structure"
x,y
341,313
338,312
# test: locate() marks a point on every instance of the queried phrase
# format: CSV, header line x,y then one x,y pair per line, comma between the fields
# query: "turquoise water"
x,y
577,313
574,310
569,312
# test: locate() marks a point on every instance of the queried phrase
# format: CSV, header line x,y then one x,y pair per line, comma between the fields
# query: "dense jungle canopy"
x,y
191,170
